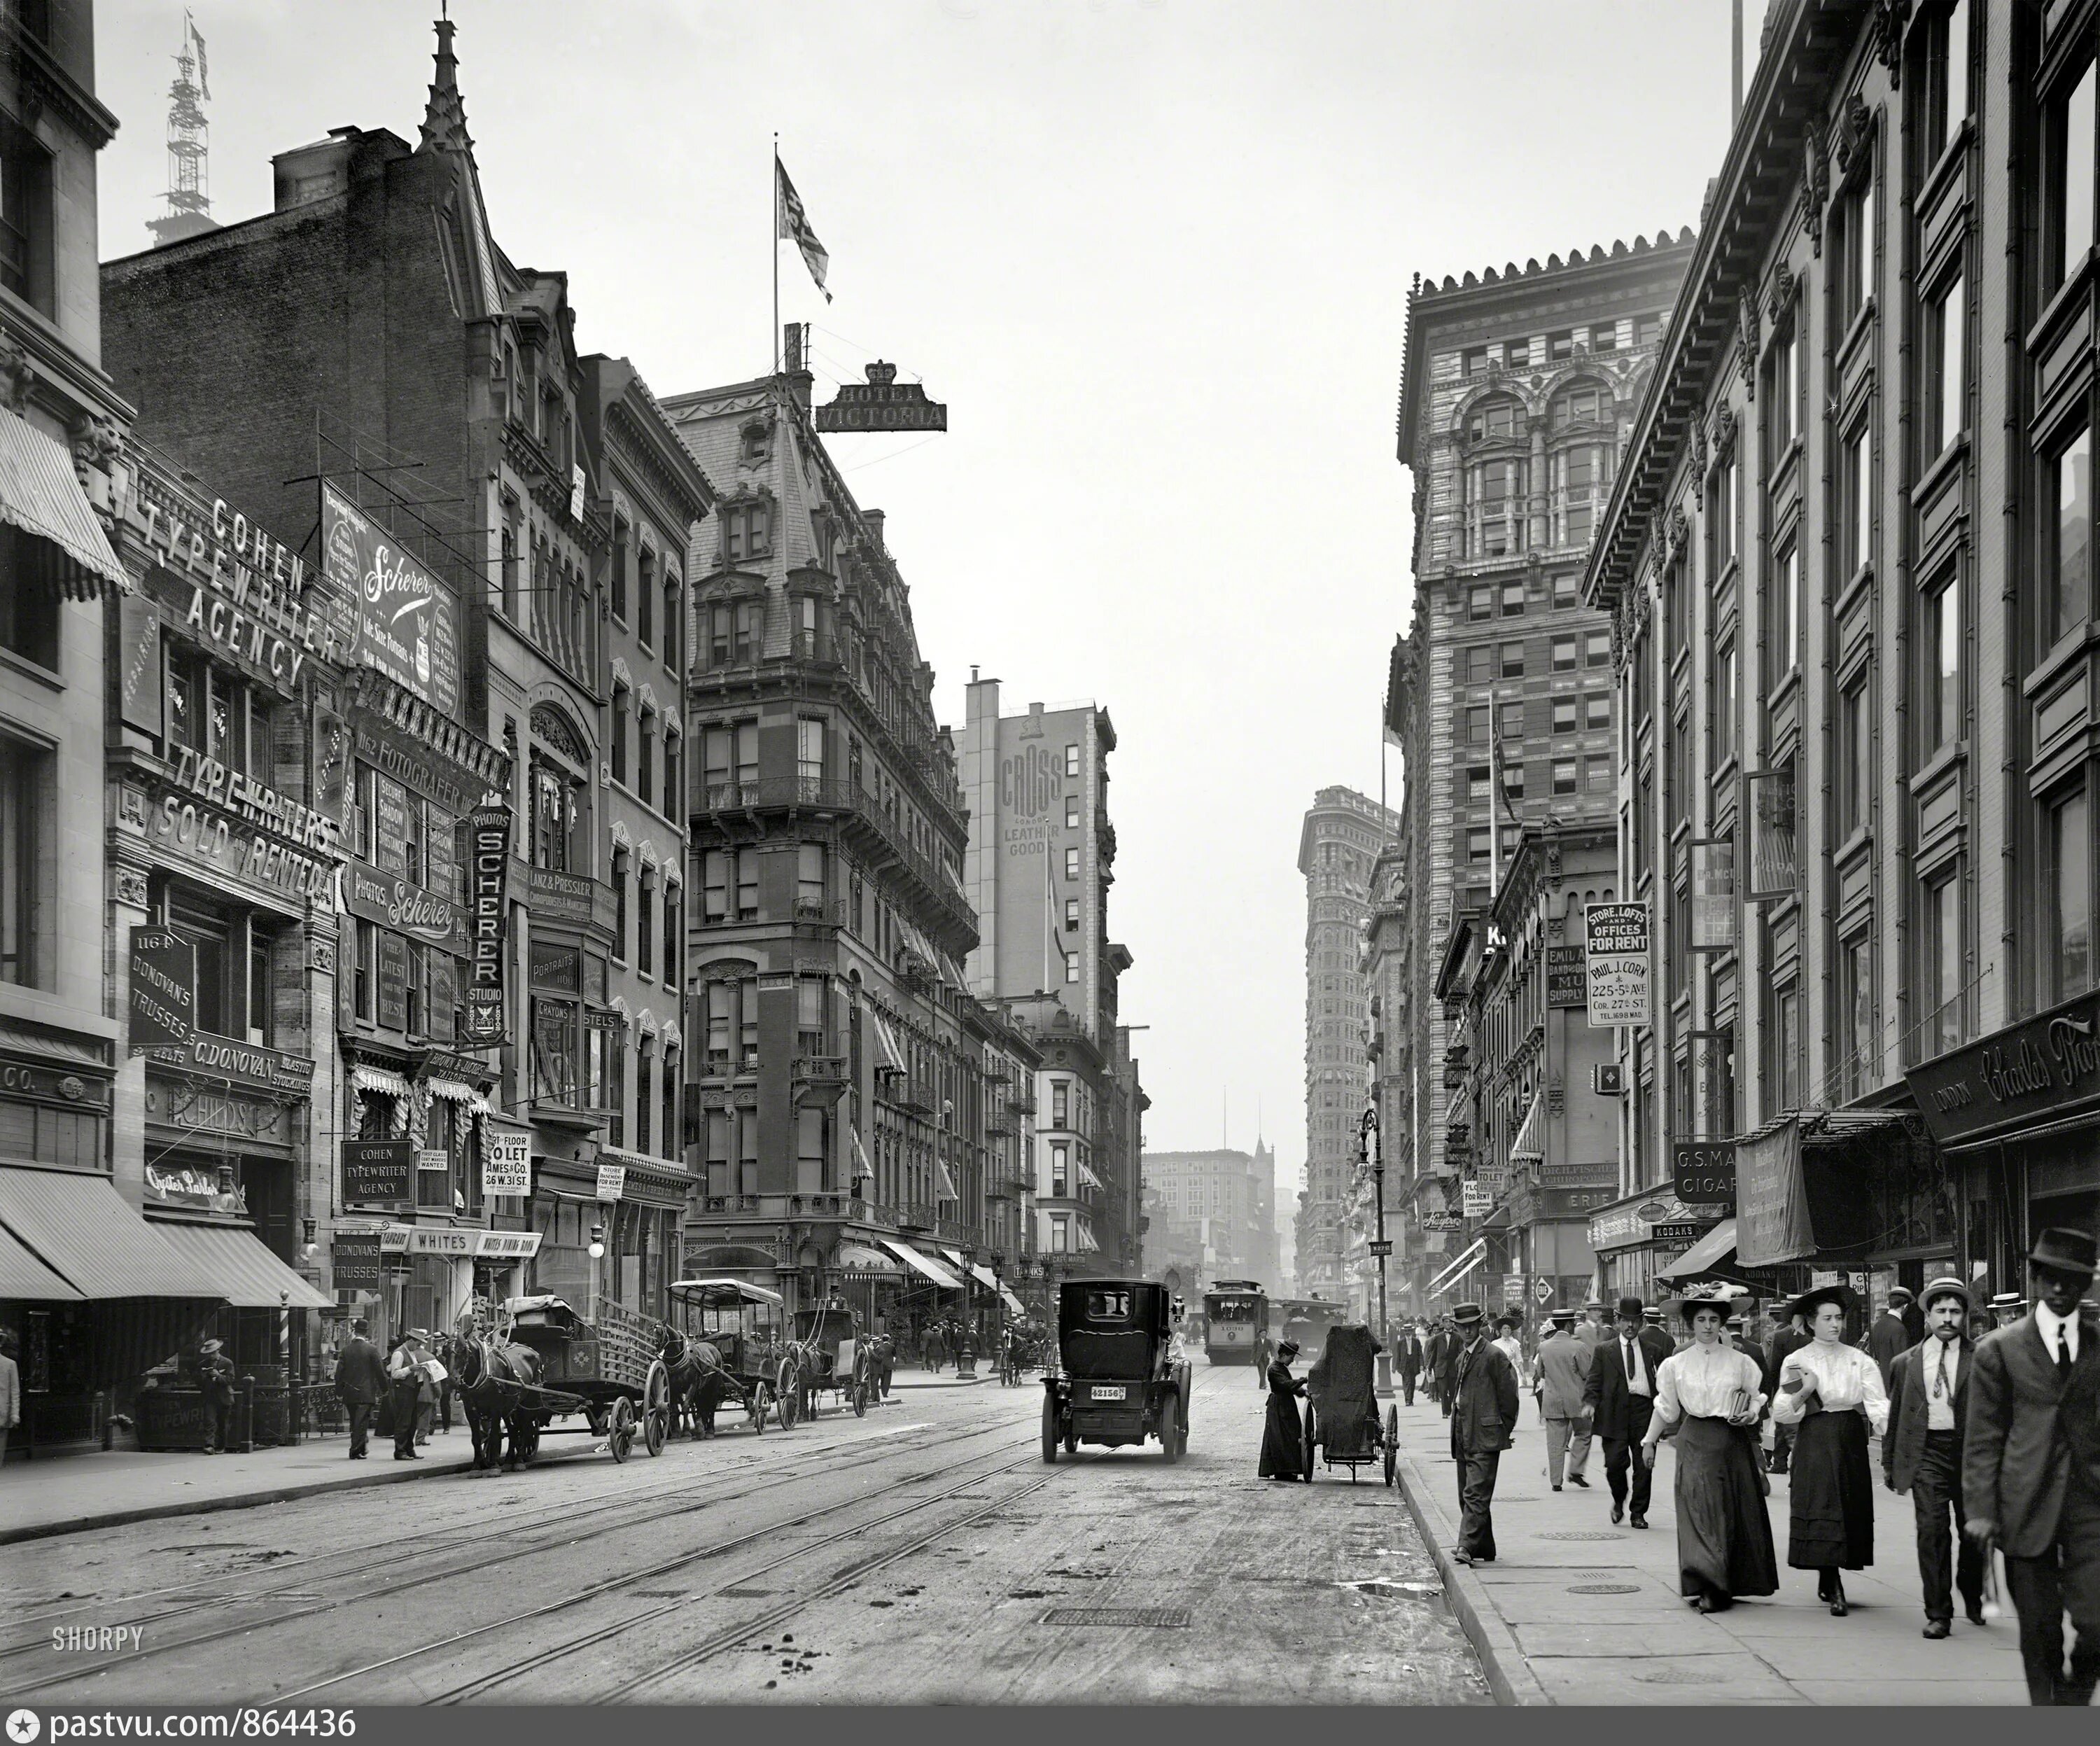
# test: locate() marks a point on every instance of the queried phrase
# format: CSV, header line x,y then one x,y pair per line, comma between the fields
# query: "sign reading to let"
x,y
1616,949
506,1161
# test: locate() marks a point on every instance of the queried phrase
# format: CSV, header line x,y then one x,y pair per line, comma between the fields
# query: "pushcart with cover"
x,y
1341,1406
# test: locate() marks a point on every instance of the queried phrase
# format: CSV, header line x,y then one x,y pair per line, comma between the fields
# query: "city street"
x,y
924,1554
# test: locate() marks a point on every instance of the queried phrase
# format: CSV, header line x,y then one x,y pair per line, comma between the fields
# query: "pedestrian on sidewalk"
x,y
1709,1397
1432,1360
1921,1454
1621,1395
1889,1339
1789,1338
213,1371
2008,1307
1591,1332
1447,1358
1483,1413
360,1379
2030,1467
1564,1373
1282,1431
11,1390
1832,1391
404,1373
1407,1359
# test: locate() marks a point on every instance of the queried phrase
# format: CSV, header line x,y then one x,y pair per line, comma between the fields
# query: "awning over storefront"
x,y
947,1182
984,1275
924,1264
1786,1211
1530,1145
381,1079
248,1275
1012,1303
40,493
863,1171
858,1258
23,1279
1458,1269
1087,1245
82,1229
1715,1249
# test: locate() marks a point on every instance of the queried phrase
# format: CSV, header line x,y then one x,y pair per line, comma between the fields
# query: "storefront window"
x,y
554,1051
27,921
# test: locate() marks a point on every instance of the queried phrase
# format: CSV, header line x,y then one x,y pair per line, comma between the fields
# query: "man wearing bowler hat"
x,y
1921,1454
1620,1394
2030,1467
1484,1405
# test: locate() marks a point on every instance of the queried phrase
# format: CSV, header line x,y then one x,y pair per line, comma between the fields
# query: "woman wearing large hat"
x,y
1834,1393
1282,1431
1711,1396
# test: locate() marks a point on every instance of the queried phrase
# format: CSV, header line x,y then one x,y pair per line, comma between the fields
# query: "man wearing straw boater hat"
x,y
2030,1467
1484,1406
1921,1454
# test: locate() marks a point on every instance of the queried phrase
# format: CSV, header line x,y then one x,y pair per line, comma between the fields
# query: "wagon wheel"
x,y
1311,1436
1391,1445
656,1408
789,1388
620,1429
755,1408
860,1397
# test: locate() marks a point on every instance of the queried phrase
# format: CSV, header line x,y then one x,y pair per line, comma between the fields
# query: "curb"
x,y
1509,1675
79,1524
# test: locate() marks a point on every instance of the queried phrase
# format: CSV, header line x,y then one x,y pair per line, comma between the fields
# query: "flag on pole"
x,y
795,227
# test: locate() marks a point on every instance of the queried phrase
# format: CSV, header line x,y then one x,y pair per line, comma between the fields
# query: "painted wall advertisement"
x,y
1040,811
488,872
1617,958
400,618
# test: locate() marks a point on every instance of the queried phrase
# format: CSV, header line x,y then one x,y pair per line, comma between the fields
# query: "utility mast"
x,y
189,191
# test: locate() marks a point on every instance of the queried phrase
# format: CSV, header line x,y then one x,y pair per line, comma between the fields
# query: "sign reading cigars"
x,y
1616,948
1703,1172
400,618
488,873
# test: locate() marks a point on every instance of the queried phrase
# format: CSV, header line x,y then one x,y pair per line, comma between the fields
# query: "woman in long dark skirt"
x,y
1834,1393
1283,1432
1712,1395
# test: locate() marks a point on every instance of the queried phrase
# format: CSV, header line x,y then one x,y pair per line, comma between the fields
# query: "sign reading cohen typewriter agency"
x,y
399,617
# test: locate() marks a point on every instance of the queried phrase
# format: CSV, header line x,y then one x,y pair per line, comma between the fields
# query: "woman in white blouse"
x,y
1709,1397
1833,1392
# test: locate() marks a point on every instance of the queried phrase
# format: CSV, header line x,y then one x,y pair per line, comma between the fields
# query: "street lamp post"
x,y
1372,1154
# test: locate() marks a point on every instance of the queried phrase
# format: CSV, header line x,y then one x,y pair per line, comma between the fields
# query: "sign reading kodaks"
x,y
403,621
1616,954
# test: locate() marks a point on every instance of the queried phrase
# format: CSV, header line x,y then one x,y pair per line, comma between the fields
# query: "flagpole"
x,y
773,229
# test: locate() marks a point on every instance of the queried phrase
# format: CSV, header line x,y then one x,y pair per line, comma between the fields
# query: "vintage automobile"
x,y
1117,1378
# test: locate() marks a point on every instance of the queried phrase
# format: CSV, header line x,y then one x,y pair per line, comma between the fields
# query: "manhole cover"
x,y
1605,1588
1121,1618
1582,1533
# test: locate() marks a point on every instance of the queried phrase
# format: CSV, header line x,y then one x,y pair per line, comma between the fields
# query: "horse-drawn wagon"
x,y
827,1354
724,1343
548,1363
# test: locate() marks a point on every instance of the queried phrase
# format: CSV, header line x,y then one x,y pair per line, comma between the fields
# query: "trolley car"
x,y
1235,1321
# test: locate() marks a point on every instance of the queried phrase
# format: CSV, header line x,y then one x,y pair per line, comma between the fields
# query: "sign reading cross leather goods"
x,y
882,402
1617,945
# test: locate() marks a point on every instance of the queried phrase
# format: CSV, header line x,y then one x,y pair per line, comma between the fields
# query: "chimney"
x,y
794,351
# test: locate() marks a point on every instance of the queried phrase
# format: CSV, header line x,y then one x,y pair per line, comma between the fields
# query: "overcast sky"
x,y
1153,255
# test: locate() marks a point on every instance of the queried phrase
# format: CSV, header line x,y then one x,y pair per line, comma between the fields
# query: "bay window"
x,y
2066,577
2066,894
2068,191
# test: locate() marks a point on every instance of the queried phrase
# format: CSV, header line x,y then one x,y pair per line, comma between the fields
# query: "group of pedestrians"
x,y
410,1381
1995,1439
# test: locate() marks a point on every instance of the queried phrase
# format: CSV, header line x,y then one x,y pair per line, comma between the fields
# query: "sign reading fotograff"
x,y
1617,951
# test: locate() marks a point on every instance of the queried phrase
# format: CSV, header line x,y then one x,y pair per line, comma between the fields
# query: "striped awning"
x,y
1530,1145
381,1079
1012,1303
919,1264
452,1091
858,1258
248,1276
40,494
885,1040
80,1229
947,1182
23,1279
863,1171
1459,1268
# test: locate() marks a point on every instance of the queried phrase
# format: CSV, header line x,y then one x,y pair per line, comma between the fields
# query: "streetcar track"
x,y
365,1596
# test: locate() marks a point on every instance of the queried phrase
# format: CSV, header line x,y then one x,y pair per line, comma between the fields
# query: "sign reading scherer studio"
x,y
402,620
489,874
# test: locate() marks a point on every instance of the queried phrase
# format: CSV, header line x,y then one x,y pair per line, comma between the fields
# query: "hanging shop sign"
x,y
163,996
391,902
565,898
240,1063
1439,1221
1567,982
1595,1173
200,1189
882,402
376,1172
401,619
1703,1171
356,1255
488,872
1772,1198
2045,1066
506,1246
1775,871
507,1160
1616,948
141,677
1475,1200
1713,894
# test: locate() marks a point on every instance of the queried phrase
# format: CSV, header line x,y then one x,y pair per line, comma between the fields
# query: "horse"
x,y
698,1383
491,1374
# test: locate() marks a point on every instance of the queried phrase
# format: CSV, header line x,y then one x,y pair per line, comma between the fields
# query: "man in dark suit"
x,y
1444,1365
1921,1454
1889,1339
1620,1396
1484,1410
213,1371
2030,1467
1407,1359
360,1379
1790,1338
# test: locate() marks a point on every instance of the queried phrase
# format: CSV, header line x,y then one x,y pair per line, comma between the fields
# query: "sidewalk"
x,y
1575,1610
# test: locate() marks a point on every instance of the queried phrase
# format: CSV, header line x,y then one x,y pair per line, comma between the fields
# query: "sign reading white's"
x,y
402,619
1616,947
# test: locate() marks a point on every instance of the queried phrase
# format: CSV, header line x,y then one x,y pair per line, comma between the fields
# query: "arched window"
x,y
1493,421
1579,402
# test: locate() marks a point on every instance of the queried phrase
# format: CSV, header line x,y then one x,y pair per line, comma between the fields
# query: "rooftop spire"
x,y
444,116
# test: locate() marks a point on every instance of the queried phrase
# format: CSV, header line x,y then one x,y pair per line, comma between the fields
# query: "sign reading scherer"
x,y
488,871
1616,949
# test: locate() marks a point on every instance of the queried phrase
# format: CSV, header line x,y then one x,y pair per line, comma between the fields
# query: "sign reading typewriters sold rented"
x,y
1617,945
